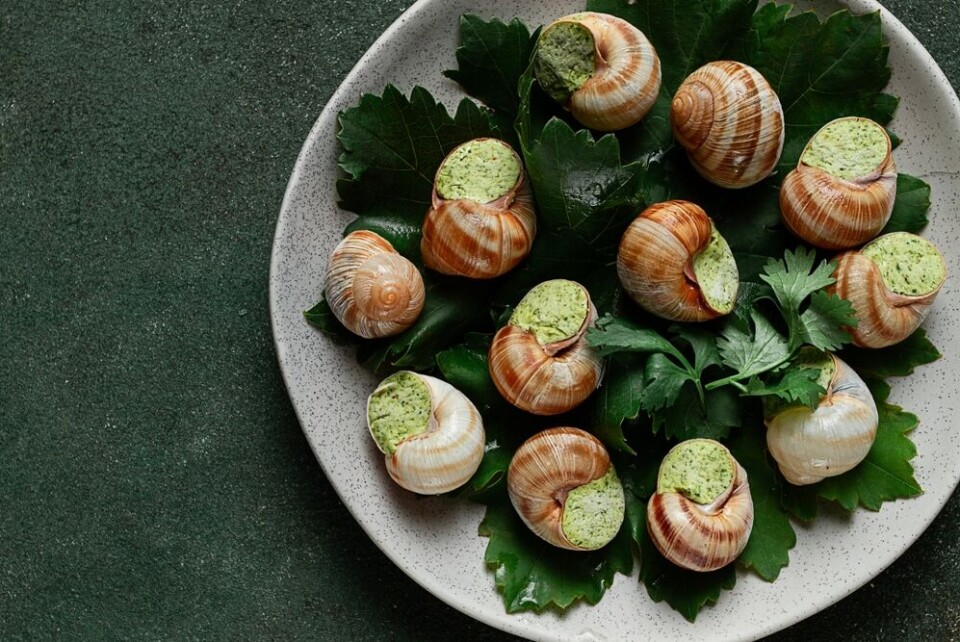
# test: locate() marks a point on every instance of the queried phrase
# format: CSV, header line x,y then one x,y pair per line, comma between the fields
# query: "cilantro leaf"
x,y
898,360
824,321
703,343
533,574
664,379
617,400
611,335
690,418
797,385
794,278
491,58
751,355
910,207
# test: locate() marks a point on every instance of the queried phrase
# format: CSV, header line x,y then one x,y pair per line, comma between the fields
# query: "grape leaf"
x,y
617,400
533,574
898,360
392,147
910,207
321,317
491,58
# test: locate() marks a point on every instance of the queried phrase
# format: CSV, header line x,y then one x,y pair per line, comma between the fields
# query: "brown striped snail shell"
x,y
659,266
480,240
625,77
889,307
811,445
701,533
545,376
370,288
836,212
730,121
545,477
448,451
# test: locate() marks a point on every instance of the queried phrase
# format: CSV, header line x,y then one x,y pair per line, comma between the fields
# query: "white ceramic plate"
x,y
435,540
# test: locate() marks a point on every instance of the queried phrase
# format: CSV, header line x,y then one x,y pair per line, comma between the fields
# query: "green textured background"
x,y
155,482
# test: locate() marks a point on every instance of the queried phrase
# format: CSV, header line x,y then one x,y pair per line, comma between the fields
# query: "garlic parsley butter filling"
x,y
565,59
398,409
848,148
908,264
593,513
698,469
717,274
553,311
481,170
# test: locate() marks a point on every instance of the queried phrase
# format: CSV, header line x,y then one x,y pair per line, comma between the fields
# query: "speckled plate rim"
x,y
294,240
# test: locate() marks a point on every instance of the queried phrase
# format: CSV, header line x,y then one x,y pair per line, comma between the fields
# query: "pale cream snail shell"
x,y
541,361
565,489
842,192
430,433
370,288
730,121
811,445
701,515
674,263
891,283
599,67
481,223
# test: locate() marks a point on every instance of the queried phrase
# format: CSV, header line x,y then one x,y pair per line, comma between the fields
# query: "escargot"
x,y
674,263
370,288
891,283
811,445
481,223
564,487
600,68
430,433
842,192
701,515
730,121
540,361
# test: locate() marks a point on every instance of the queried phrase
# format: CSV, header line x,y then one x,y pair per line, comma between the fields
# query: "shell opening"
x,y
848,148
398,409
700,469
593,512
717,275
908,264
554,311
565,59
480,170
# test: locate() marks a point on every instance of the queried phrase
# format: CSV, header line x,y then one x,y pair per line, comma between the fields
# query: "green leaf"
x,y
703,343
688,418
402,231
886,473
321,317
796,386
392,147
533,574
824,322
910,207
491,58
898,360
794,278
750,356
664,379
617,400
611,335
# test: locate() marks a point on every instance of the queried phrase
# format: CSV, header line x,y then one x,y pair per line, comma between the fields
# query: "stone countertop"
x,y
154,482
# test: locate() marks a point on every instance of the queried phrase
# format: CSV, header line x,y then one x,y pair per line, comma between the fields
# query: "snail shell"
x,y
546,375
370,288
622,69
729,119
811,445
692,529
430,432
484,238
564,487
673,263
891,283
832,209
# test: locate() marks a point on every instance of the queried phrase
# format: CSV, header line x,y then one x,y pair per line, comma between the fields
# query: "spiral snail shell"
x,y
481,223
891,283
729,119
564,487
431,434
842,192
599,67
674,263
540,361
701,515
370,288
811,445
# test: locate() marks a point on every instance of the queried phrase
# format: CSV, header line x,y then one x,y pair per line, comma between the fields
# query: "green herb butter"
x,y
909,264
398,409
565,59
700,469
717,275
481,170
847,148
810,357
593,513
553,311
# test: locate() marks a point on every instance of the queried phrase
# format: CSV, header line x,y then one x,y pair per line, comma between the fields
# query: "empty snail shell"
x,y
481,223
599,67
370,288
842,192
701,515
729,119
674,263
540,361
564,487
891,283
811,445
431,434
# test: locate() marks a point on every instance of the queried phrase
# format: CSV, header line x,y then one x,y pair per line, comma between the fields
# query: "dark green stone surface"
x,y
154,482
